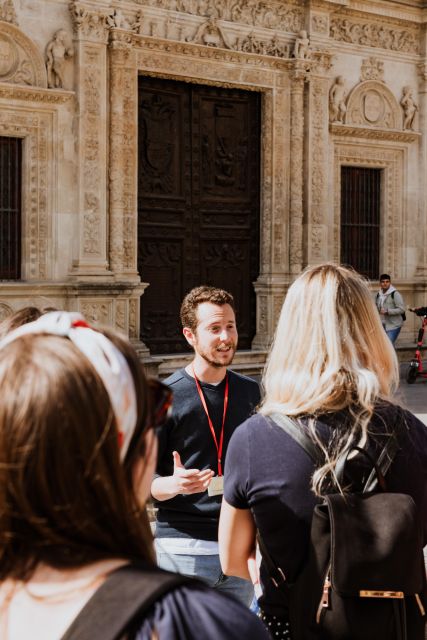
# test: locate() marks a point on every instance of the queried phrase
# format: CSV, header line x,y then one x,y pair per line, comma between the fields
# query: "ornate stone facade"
x,y
78,122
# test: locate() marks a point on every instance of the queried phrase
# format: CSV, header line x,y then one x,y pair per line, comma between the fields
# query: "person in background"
x,y
77,453
333,371
391,307
210,401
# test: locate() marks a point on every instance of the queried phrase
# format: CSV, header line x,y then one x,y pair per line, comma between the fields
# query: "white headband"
x,y
107,360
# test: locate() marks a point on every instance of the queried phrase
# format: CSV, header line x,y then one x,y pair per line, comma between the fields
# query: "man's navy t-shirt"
x,y
187,432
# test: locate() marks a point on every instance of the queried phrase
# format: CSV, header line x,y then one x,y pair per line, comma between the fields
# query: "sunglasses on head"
x,y
160,399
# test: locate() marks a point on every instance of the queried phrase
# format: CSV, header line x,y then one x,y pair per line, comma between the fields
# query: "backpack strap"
x,y
125,596
297,433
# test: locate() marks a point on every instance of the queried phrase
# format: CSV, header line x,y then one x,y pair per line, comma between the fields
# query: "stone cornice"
x,y
354,131
214,53
34,94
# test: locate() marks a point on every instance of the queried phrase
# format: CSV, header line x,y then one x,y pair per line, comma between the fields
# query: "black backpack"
x,y
392,297
365,577
116,609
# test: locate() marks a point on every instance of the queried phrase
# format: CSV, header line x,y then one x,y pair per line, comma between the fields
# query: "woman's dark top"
x,y
268,472
195,612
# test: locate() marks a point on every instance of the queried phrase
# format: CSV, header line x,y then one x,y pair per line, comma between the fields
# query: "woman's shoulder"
x,y
194,610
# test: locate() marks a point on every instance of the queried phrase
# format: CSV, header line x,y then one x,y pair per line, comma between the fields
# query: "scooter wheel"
x,y
411,374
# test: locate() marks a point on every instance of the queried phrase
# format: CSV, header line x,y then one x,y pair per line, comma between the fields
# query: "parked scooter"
x,y
415,369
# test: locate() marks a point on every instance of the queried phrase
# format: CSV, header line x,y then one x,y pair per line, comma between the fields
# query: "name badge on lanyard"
x,y
216,486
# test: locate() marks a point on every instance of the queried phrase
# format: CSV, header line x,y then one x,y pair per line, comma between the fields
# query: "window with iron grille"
x,y
10,208
360,219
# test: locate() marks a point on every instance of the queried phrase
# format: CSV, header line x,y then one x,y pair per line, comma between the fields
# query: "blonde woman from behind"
x,y
334,371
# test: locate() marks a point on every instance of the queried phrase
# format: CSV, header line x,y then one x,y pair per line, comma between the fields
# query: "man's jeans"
x,y
393,333
206,568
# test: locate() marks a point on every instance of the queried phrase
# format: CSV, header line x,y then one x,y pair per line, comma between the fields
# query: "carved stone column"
x,y
90,31
123,155
315,243
298,78
271,285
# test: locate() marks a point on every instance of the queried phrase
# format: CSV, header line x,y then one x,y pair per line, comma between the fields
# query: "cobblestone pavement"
x,y
413,396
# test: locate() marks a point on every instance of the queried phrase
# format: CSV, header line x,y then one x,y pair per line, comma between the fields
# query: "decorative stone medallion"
x,y
9,57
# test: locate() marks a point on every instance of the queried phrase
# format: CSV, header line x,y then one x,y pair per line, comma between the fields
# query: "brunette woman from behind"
x,y
77,453
332,370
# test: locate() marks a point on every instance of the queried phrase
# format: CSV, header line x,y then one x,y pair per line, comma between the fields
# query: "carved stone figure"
x,y
58,50
7,12
118,20
409,108
302,46
337,96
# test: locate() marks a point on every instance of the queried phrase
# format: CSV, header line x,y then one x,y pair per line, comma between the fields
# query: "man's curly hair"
x,y
197,296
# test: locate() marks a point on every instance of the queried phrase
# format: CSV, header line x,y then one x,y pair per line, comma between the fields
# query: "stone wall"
x,y
341,82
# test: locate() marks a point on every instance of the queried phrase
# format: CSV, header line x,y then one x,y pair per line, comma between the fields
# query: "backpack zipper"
x,y
324,600
420,605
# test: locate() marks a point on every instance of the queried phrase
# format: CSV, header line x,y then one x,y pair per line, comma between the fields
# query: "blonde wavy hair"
x,y
329,353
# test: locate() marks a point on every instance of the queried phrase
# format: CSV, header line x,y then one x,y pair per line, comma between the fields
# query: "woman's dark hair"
x,y
18,318
66,500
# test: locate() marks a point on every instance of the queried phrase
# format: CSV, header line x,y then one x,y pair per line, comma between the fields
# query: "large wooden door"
x,y
198,202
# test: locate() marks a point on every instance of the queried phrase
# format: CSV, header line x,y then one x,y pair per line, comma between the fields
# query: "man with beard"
x,y
210,401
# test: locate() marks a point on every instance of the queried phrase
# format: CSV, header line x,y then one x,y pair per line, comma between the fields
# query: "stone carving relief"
x,y
251,44
118,21
302,46
20,60
375,35
319,23
210,34
7,12
97,313
372,104
409,107
121,315
255,13
90,24
372,69
58,51
337,98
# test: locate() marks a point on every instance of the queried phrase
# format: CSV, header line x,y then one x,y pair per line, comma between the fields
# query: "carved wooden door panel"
x,y
198,203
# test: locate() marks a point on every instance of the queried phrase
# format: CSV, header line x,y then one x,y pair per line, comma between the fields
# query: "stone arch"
x,y
21,62
372,104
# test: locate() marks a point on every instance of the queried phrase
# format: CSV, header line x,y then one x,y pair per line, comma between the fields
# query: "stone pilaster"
x,y
123,156
298,78
90,37
271,285
316,164
421,271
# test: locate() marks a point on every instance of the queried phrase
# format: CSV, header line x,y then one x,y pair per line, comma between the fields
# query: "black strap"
x,y
126,595
297,433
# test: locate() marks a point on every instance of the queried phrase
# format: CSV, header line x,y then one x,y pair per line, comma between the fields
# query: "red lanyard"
x,y
211,427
